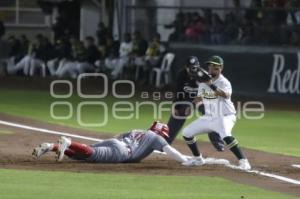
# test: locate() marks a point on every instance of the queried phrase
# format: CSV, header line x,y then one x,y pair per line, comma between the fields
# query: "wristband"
x,y
213,87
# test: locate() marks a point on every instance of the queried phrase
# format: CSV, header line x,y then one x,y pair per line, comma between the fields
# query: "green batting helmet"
x,y
217,60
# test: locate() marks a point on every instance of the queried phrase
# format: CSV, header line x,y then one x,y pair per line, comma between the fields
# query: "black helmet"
x,y
192,64
192,60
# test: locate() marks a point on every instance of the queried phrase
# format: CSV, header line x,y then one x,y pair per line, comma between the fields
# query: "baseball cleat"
x,y
196,161
244,164
42,149
63,144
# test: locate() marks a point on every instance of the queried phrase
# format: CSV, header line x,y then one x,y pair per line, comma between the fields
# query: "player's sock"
x,y
232,144
83,150
55,147
192,144
68,152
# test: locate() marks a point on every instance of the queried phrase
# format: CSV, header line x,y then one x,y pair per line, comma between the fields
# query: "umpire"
x,y
185,91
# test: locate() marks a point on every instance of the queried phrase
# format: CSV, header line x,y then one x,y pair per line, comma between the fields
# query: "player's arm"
x,y
223,92
220,92
174,154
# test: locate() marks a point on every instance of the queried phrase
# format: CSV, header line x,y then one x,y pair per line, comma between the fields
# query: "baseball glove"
x,y
201,75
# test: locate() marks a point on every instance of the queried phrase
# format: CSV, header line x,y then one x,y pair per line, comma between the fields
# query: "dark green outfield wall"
x,y
253,71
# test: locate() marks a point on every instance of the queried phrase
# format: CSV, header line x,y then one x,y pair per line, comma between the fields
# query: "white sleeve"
x,y
174,154
226,87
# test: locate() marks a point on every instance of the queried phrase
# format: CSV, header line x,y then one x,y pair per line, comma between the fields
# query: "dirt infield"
x,y
16,145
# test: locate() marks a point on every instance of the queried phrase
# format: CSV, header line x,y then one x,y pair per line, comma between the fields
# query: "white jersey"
x,y
125,49
217,106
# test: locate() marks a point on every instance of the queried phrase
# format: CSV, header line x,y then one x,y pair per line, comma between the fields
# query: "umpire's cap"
x,y
217,60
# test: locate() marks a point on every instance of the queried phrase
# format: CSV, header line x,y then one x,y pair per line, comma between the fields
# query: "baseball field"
x,y
271,145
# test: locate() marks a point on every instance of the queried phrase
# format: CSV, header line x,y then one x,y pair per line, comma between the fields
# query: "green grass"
x,y
48,185
277,132
36,105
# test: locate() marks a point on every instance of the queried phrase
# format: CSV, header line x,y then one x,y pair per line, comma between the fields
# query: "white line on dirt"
x,y
262,173
296,166
42,130
278,177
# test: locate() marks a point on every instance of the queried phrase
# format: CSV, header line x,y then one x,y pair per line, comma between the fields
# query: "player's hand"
x,y
209,82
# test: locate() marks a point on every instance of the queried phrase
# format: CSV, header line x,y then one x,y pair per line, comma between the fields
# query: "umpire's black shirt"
x,y
184,81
